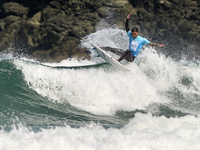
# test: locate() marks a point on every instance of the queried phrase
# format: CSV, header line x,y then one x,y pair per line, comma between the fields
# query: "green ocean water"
x,y
22,105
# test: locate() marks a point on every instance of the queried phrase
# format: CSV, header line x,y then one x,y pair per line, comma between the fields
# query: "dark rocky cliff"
x,y
51,29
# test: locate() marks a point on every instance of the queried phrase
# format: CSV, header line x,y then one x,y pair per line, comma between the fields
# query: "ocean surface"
x,y
66,106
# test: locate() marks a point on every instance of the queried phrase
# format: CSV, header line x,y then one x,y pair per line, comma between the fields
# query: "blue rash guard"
x,y
136,44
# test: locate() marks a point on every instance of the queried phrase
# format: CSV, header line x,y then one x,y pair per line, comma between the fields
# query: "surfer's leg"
x,y
114,50
128,56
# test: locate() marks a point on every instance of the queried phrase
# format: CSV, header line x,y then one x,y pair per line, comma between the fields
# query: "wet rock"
x,y
10,19
36,19
15,9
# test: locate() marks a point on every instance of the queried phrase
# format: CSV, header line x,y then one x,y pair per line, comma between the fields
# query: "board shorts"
x,y
127,55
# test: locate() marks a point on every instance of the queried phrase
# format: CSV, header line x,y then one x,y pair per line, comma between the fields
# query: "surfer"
x,y
136,43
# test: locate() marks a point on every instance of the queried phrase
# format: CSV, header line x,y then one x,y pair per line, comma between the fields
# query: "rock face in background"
x,y
51,29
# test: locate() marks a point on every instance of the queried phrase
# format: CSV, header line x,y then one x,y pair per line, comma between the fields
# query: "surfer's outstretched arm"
x,y
127,24
154,44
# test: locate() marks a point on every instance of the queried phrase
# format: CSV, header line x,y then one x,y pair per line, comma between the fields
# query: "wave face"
x,y
156,104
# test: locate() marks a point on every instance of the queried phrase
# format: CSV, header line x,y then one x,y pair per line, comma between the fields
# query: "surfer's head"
x,y
134,32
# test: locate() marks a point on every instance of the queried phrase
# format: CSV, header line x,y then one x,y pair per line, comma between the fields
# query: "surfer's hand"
x,y
129,15
160,45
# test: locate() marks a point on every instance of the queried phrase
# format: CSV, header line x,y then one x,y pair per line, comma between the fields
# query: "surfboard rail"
x,y
109,58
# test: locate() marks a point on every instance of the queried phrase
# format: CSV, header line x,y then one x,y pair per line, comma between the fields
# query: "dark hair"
x,y
134,29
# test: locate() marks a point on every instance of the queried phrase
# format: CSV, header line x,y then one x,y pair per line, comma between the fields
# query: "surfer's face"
x,y
135,34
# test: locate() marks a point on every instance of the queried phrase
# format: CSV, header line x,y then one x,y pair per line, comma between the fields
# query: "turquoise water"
x,y
23,105
51,106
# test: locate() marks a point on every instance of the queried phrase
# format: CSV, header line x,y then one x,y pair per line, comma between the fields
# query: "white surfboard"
x,y
109,58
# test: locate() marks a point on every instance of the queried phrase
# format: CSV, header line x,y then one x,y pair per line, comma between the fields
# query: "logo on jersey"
x,y
134,45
